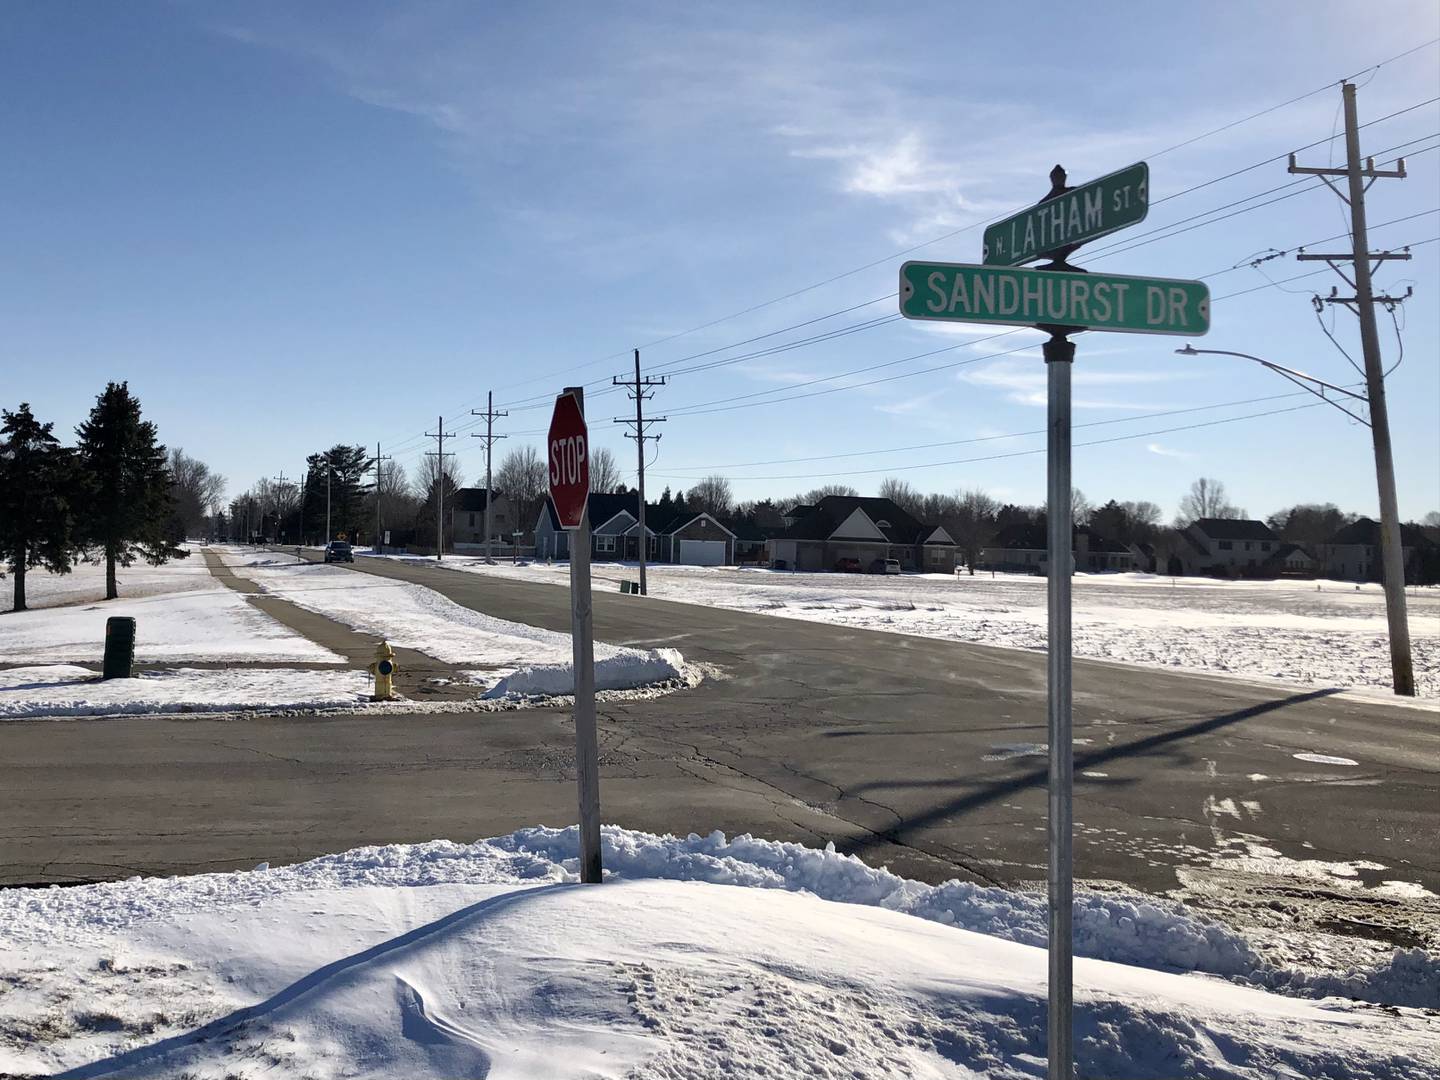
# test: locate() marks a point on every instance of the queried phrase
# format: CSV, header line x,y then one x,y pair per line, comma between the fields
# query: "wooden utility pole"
x,y
439,435
1359,175
490,417
379,458
637,388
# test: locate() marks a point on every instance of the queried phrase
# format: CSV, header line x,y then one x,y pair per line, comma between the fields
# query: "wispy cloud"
x,y
1025,383
912,404
1165,451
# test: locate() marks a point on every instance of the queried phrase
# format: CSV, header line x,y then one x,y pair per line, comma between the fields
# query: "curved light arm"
x,y
1318,387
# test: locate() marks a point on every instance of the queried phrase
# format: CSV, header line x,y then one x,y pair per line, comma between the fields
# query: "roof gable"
x,y
858,526
1234,529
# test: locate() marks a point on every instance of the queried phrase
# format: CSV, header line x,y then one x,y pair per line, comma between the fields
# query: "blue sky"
x,y
291,225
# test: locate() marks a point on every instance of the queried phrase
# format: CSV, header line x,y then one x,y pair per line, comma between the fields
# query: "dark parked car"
x,y
885,566
847,566
338,551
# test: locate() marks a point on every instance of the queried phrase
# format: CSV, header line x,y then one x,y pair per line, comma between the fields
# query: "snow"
x,y
181,613
66,690
523,660
85,583
620,671
699,957
1299,632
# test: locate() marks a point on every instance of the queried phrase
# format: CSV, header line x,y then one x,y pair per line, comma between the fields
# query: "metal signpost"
x,y
1070,218
1062,300
568,446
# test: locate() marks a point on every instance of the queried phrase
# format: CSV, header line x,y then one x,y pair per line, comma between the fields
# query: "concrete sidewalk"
x,y
416,673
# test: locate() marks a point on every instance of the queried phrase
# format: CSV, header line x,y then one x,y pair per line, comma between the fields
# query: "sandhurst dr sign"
x,y
963,292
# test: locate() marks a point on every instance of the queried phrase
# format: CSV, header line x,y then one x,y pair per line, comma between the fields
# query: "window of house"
x,y
1226,545
654,545
604,543
1264,545
472,520
882,524
1247,545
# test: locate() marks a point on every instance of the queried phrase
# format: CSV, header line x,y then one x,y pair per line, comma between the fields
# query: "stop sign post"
x,y
568,456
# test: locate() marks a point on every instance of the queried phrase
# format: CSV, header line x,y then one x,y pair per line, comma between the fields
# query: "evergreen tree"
x,y
35,480
344,468
124,503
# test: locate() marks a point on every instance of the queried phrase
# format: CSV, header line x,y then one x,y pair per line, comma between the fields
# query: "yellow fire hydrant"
x,y
383,668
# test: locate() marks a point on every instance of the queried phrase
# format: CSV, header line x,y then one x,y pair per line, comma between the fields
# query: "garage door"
x,y
702,552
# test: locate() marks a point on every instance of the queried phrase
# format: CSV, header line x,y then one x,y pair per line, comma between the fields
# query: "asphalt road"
x,y
912,752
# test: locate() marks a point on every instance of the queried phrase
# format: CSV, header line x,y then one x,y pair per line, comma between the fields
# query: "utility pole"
x,y
439,435
637,388
1359,177
490,417
329,469
304,491
375,546
281,483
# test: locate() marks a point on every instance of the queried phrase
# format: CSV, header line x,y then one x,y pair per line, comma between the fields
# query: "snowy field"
x,y
181,613
510,659
699,957
66,690
1305,633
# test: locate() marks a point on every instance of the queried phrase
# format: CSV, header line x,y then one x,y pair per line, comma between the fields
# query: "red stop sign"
x,y
569,453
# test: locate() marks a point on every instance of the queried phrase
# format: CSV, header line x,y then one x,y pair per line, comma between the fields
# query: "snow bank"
x,y
622,671
67,690
1126,929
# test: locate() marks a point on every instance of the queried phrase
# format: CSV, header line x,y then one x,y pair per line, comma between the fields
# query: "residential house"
x,y
1353,553
850,527
467,517
1291,560
1232,547
684,536
1023,548
1016,549
752,542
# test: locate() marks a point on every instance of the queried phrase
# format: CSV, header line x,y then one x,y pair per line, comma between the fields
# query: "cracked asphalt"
x,y
917,753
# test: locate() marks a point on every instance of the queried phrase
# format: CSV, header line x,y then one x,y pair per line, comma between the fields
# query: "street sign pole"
x,y
570,456
1059,353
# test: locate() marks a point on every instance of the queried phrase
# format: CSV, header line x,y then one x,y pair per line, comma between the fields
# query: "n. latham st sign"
x,y
963,292
1085,213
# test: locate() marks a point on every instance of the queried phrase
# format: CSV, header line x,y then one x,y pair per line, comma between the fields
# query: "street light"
x,y
1318,387
1392,552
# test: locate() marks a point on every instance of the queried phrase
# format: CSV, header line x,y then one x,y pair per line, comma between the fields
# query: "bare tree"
x,y
712,495
1206,499
814,495
1080,508
523,476
1144,514
973,523
392,482
428,471
902,494
604,471
197,491
1431,520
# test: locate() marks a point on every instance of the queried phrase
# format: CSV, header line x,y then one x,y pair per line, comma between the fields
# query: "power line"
x,y
980,438
1022,453
521,406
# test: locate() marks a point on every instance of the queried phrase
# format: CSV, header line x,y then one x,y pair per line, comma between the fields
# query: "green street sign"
x,y
963,292
1090,211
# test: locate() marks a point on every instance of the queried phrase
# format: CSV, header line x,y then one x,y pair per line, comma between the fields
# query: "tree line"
x,y
115,496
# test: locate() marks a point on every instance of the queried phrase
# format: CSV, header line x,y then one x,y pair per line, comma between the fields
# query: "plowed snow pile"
x,y
699,957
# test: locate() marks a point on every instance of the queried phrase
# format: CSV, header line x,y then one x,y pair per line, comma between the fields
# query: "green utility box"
x,y
119,647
